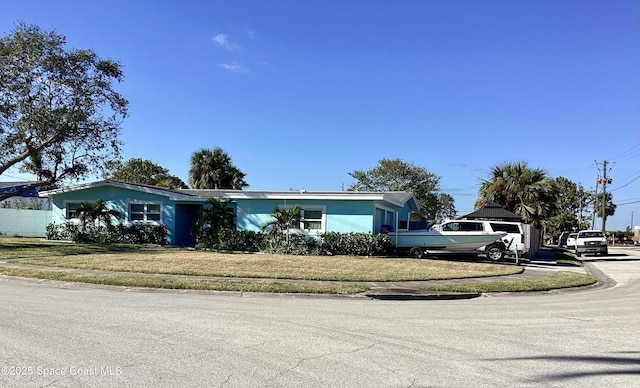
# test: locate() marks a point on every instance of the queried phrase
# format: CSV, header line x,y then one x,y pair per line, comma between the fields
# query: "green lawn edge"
x,y
188,284
560,280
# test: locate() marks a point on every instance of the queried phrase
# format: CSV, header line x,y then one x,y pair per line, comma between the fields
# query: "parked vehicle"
x,y
510,244
571,240
421,242
562,240
591,241
627,240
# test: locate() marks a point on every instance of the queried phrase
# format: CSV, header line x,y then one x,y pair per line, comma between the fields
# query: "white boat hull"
x,y
444,241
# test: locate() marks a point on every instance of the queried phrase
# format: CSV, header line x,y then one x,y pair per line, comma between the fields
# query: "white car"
x,y
591,241
571,241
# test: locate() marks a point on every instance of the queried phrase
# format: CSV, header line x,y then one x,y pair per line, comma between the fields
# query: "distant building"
x,y
27,200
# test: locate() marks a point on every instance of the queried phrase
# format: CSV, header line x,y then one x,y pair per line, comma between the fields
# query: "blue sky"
x,y
300,93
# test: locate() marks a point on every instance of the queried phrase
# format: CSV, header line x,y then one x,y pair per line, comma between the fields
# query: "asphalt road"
x,y
68,335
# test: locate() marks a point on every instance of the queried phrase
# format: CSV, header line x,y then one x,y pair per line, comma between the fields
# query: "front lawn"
x,y
127,262
189,283
15,247
331,268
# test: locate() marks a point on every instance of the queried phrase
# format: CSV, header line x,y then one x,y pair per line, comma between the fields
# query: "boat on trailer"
x,y
423,242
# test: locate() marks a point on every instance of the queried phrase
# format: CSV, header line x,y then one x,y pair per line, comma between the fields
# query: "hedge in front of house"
x,y
331,243
232,240
108,234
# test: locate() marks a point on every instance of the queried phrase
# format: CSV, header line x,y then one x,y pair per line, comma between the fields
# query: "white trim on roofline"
x,y
320,195
169,193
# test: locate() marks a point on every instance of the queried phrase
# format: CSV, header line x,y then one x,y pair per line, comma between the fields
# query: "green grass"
x,y
127,262
15,247
188,284
558,281
566,257
330,268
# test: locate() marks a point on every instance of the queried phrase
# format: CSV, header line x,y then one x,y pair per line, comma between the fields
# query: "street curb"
x,y
413,294
603,281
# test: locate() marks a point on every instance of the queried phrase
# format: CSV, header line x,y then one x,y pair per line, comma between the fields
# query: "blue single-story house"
x,y
340,211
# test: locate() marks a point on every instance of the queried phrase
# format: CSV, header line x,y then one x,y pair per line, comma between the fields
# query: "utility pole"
x,y
595,201
604,196
604,180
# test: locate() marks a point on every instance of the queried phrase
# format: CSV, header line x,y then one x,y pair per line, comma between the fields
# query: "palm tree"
x,y
284,218
213,218
212,169
96,212
608,209
520,189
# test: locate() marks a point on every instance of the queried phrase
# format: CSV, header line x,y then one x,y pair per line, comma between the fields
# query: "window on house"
x,y
311,219
143,212
72,210
389,218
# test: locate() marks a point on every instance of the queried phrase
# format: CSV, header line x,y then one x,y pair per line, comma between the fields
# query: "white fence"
x,y
24,223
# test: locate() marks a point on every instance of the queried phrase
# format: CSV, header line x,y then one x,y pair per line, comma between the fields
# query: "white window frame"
x,y
145,212
388,218
66,209
322,219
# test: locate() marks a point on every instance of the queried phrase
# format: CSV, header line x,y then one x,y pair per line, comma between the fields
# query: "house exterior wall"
x,y
350,216
339,216
119,199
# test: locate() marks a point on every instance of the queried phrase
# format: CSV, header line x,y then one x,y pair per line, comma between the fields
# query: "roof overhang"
x,y
396,198
173,195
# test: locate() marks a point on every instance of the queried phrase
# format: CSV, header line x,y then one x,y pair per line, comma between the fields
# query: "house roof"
x,y
14,187
492,211
12,184
172,194
397,198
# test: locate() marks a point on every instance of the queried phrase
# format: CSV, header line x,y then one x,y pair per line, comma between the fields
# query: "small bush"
x,y
52,231
238,240
357,244
294,244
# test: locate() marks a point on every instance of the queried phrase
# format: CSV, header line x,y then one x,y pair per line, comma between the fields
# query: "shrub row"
x,y
331,243
109,234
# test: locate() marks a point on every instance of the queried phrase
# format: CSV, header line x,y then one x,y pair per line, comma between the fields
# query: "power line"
x,y
629,151
627,203
627,184
629,157
17,178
